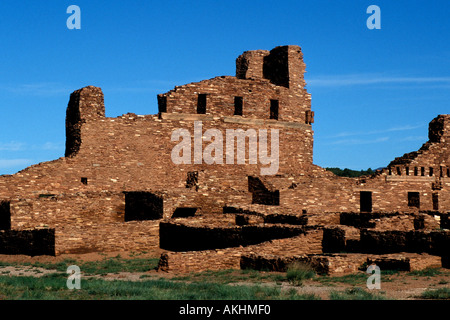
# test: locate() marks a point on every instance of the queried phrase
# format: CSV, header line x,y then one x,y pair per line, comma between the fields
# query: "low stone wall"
x,y
432,242
108,237
179,237
394,220
269,217
34,242
379,220
323,219
229,258
341,239
277,263
405,261
322,264
355,219
286,219
197,261
335,264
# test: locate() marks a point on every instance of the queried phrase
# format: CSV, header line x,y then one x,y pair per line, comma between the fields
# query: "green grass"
x,y
442,293
295,296
355,293
53,287
355,279
389,272
107,265
231,276
297,272
428,272
352,279
206,285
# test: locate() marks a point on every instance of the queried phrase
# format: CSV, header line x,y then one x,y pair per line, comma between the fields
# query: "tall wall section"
x,y
81,195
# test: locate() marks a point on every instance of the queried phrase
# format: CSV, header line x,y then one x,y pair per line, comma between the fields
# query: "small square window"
x,y
84,181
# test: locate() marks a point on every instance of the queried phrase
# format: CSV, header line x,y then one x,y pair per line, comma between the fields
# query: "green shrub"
x,y
297,272
442,293
428,272
353,279
355,293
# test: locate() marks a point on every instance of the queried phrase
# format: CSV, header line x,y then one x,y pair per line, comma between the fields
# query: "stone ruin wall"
x,y
121,154
81,195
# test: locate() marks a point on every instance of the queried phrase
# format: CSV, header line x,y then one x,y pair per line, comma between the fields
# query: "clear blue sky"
x,y
373,91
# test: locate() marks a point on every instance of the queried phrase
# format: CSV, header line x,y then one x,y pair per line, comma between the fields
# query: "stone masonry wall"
x,y
82,196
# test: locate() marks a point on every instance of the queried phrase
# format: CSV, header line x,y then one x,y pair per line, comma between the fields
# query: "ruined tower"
x,y
84,104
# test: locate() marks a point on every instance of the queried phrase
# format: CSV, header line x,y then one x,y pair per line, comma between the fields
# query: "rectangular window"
x,y
416,171
435,198
407,171
5,215
399,171
184,212
143,205
238,104
201,104
309,117
422,171
162,103
414,199
431,172
274,109
365,201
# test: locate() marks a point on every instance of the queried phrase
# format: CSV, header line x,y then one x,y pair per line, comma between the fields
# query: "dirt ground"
x,y
398,286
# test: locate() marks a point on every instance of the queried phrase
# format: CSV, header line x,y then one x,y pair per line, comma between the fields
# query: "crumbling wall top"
x,y
282,65
439,128
84,104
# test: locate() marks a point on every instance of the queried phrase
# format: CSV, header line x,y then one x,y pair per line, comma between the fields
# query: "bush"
x,y
442,293
297,272
355,293
428,272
